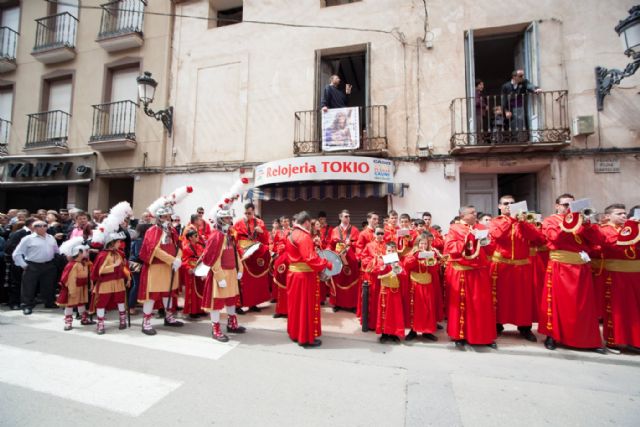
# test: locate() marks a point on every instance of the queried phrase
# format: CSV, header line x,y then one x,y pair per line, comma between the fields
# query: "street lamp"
x,y
146,92
629,33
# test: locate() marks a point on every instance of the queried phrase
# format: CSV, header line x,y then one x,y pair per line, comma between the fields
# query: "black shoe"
x,y
240,311
279,316
174,324
411,335
336,309
383,338
439,326
255,309
499,328
322,303
273,301
352,310
236,330
27,311
493,345
550,343
528,335
315,343
600,350
149,331
613,350
430,337
460,345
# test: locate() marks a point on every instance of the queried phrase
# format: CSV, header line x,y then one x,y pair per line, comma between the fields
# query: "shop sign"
x,y
607,166
325,168
16,169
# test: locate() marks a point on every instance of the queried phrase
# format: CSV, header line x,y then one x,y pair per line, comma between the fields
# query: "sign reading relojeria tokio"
x,y
325,168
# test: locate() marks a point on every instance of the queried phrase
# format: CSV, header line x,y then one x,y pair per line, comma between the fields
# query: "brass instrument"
x,y
396,268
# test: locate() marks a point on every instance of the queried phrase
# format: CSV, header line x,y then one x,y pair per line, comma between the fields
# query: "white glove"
x,y
222,283
239,275
175,265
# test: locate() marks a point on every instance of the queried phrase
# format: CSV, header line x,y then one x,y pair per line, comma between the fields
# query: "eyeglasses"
x,y
40,225
566,205
379,234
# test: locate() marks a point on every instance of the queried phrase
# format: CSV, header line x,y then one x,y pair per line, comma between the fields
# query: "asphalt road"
x,y
49,377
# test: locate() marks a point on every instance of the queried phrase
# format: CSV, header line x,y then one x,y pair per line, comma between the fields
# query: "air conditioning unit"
x,y
582,125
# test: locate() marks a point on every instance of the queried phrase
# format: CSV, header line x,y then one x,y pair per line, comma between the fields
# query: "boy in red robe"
x,y
74,282
390,319
371,260
343,242
192,249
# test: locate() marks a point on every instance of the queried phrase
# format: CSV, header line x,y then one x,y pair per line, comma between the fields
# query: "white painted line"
x,y
117,390
183,344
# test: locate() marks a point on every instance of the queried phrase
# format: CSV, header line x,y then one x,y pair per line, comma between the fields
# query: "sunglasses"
x,y
566,205
40,225
379,234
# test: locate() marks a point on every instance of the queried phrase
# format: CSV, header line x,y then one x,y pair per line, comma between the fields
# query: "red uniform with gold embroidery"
x,y
471,309
568,311
345,284
303,287
280,268
511,270
371,261
539,257
622,284
424,278
255,281
193,285
221,255
390,318
109,276
74,284
159,249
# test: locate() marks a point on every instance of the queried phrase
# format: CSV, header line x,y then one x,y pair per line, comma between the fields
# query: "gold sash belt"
x,y
622,265
566,257
421,278
300,267
497,257
460,267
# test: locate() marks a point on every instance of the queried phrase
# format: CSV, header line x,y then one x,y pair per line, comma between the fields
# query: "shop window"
x,y
225,12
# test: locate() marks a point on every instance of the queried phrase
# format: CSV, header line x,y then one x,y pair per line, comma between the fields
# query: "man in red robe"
x,y
391,226
367,233
568,308
162,257
221,287
204,229
371,260
343,242
471,307
438,241
192,249
405,236
303,284
254,285
325,230
621,250
511,270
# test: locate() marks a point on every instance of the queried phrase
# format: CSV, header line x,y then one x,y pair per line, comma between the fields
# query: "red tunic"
x,y
109,280
366,236
390,319
568,311
438,241
622,291
371,261
255,280
220,254
390,232
303,287
471,309
74,283
423,315
154,282
512,271
346,282
325,236
280,268
539,257
193,285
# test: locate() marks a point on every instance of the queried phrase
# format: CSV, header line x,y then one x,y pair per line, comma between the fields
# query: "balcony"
x,y
8,45
55,38
121,25
48,131
4,137
307,138
114,126
540,122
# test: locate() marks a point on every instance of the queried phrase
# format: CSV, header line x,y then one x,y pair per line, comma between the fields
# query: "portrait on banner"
x,y
340,129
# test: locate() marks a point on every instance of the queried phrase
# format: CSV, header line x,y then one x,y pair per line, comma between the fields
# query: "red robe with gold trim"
x,y
346,282
193,285
303,287
512,271
255,279
74,284
221,254
390,318
423,288
325,236
568,308
622,290
371,261
158,255
471,309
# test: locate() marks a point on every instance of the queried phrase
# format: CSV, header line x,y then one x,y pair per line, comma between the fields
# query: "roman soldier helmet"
x,y
109,229
73,246
222,209
164,204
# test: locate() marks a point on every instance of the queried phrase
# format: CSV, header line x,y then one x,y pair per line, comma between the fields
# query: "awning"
x,y
325,191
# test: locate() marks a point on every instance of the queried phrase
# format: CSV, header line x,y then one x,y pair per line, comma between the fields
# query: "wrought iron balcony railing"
x,y
56,31
114,120
121,17
8,43
4,136
48,129
510,122
307,137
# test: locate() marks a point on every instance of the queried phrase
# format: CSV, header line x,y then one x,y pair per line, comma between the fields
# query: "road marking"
x,y
117,390
183,344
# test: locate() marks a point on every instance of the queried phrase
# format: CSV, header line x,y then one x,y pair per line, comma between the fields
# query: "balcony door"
x,y
6,104
124,93
65,25
59,108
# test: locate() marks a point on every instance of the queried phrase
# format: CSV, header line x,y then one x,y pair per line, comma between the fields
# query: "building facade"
x,y
73,132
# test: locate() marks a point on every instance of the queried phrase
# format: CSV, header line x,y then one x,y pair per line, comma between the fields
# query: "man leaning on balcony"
x,y
514,104
332,97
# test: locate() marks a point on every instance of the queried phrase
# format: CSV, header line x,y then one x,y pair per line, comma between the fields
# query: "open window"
x,y
225,12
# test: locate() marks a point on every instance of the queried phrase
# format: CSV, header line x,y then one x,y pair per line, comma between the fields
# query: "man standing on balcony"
x,y
514,104
332,97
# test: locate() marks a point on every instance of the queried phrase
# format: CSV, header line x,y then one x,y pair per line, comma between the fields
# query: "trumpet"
x,y
397,269
431,261
589,214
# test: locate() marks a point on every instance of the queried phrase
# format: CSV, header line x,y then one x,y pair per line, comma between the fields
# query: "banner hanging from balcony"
x,y
325,168
340,129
